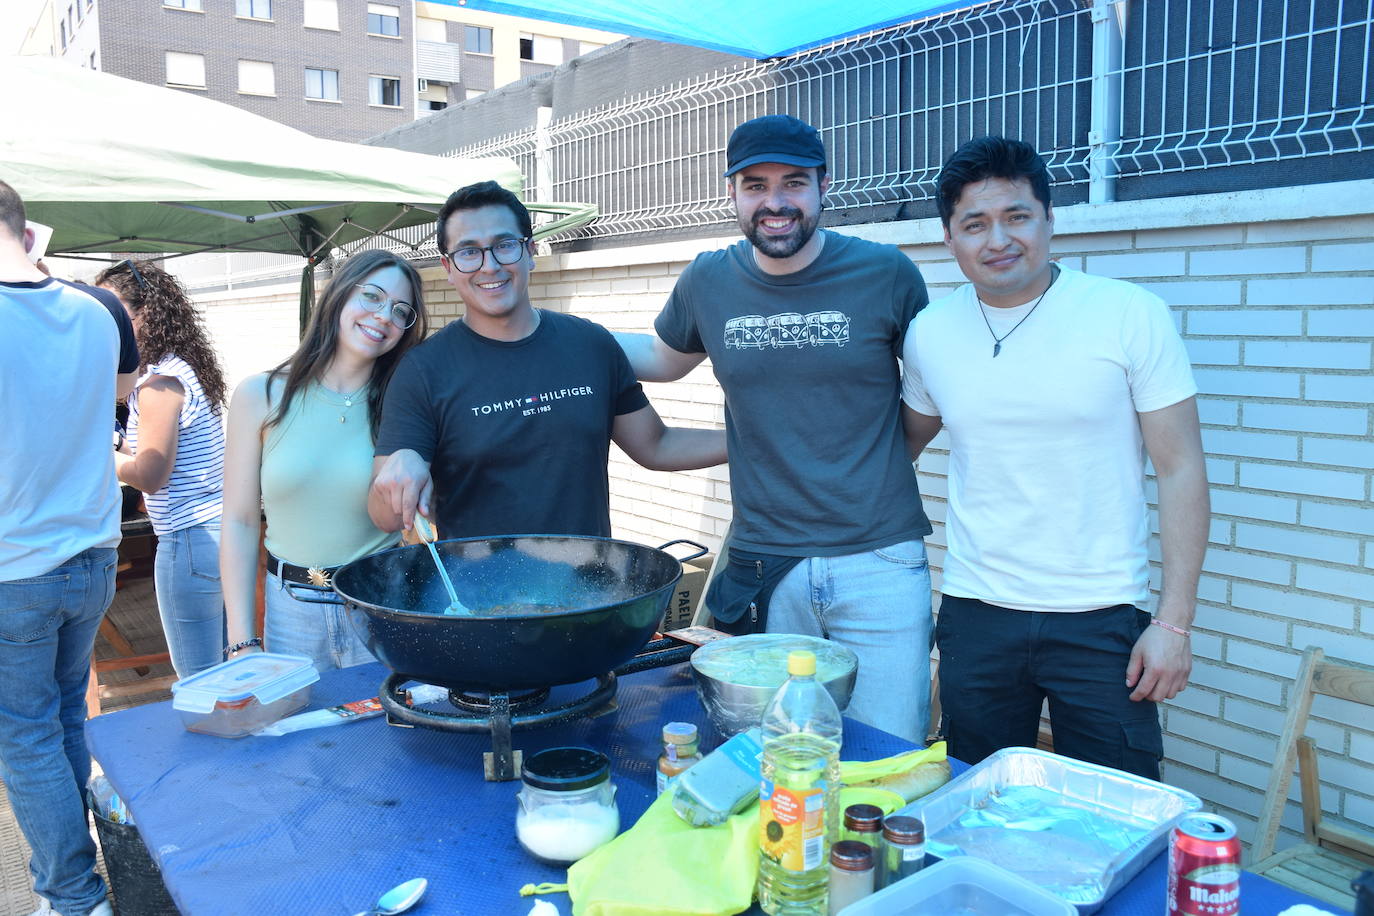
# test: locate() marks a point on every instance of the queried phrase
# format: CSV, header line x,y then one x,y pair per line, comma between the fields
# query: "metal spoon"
x,y
427,534
399,899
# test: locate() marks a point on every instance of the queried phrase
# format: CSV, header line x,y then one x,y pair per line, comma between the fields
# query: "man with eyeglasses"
x,y
71,346
501,423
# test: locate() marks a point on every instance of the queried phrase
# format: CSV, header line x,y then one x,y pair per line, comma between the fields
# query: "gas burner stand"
x,y
502,713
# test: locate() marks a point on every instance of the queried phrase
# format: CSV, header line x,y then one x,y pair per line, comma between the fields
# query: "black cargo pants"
x,y
997,666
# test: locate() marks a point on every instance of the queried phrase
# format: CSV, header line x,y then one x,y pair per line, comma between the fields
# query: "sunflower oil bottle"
x,y
799,794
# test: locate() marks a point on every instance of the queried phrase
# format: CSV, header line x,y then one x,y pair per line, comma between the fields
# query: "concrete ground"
x,y
134,611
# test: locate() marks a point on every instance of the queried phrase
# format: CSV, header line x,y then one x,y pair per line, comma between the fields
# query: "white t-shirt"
x,y
1047,466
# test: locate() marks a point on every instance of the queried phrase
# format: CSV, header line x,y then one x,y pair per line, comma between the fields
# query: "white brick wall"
x,y
1277,318
252,329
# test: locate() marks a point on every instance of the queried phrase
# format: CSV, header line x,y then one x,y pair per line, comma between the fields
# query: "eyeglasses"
x,y
469,259
138,277
375,300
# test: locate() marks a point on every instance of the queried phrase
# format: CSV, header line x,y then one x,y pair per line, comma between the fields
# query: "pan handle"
x,y
323,594
701,551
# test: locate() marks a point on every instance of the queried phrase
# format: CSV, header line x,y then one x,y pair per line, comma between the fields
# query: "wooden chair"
x,y
1331,854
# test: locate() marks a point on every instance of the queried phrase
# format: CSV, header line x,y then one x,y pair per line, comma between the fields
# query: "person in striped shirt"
x,y
174,453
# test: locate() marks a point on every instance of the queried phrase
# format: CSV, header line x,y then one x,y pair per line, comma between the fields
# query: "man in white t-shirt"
x,y
66,349
1054,385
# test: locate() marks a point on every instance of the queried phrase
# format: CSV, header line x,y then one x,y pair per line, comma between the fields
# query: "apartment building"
x,y
339,69
461,53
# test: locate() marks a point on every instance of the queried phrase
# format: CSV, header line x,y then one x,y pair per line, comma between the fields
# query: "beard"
x,y
780,246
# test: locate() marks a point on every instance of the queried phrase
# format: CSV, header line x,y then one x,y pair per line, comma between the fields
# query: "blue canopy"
x,y
753,28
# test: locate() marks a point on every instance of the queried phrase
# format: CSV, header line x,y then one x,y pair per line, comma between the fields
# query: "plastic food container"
x,y
240,696
961,885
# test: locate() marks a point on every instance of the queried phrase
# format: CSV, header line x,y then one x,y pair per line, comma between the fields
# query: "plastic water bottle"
x,y
799,794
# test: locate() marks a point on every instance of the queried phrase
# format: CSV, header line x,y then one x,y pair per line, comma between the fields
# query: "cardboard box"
x,y
687,596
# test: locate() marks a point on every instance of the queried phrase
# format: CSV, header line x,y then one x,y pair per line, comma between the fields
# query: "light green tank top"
x,y
315,476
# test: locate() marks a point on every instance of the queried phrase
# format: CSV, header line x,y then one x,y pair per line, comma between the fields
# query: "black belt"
x,y
302,575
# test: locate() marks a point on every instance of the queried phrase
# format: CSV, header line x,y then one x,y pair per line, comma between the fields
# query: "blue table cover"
x,y
322,821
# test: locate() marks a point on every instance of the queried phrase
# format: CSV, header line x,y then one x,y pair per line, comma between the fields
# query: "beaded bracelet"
x,y
1170,627
255,641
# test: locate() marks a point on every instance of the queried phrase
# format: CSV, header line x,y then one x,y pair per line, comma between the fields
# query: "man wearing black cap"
x,y
804,329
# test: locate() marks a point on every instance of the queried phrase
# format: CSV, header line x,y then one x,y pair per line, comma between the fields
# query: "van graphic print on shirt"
x,y
787,329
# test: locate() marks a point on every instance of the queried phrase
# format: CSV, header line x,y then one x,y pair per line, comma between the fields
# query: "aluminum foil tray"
x,y
1078,830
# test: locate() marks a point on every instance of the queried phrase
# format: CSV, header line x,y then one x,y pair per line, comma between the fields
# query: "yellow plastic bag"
x,y
663,866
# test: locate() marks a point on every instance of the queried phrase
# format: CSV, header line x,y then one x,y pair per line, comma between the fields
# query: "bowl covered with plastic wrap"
x,y
735,678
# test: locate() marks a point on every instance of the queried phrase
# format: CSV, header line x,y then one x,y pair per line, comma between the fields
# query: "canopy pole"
x,y
307,294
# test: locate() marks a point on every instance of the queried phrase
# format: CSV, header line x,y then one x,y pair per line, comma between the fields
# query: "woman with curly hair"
x,y
300,452
175,454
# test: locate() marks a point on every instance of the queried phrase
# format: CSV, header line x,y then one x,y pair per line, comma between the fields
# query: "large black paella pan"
x,y
546,609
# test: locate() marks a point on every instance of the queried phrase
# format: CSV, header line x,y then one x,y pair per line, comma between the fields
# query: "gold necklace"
x,y
344,402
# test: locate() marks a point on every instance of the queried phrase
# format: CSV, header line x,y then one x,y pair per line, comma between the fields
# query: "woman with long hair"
x,y
174,453
300,452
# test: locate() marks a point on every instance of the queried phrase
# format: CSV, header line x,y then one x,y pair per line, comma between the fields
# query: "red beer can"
x,y
1204,867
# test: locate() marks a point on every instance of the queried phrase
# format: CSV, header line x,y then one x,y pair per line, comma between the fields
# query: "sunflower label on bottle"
x,y
792,826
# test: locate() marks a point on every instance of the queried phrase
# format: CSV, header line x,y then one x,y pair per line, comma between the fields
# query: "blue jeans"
x,y
47,629
189,598
320,632
878,604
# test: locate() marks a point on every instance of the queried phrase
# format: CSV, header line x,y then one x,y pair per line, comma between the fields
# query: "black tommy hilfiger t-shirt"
x,y
517,433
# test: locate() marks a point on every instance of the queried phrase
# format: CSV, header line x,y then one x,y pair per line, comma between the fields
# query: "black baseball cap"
x,y
774,138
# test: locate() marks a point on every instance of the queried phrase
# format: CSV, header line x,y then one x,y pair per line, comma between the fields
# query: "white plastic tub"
x,y
959,886
239,696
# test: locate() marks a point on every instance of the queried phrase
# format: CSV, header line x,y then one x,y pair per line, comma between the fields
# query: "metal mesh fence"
x,y
1202,84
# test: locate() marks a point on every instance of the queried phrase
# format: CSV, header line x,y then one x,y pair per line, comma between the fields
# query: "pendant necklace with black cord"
x,y
982,308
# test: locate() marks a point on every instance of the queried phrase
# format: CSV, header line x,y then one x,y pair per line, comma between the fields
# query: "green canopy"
x,y
117,165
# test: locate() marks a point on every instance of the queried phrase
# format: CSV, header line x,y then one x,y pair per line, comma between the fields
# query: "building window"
x,y
253,9
89,4
62,27
93,60
383,19
541,49
435,105
477,39
71,23
321,84
257,77
322,14
80,12
185,69
383,90
196,5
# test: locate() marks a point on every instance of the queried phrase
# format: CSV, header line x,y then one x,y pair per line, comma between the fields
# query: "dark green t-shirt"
x,y
809,366
516,432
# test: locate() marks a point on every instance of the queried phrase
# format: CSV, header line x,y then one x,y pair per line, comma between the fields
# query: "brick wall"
x,y
253,329
1278,317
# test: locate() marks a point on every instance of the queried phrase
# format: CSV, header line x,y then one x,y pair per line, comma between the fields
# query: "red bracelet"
x,y
1171,628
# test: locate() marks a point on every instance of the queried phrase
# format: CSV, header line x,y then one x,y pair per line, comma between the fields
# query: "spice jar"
x,y
864,823
680,751
904,849
851,874
567,804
